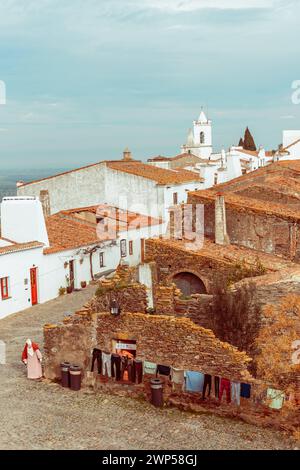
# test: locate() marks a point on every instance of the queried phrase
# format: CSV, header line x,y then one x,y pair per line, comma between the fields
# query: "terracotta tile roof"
x,y
272,190
134,167
67,229
15,247
129,219
67,234
159,175
160,158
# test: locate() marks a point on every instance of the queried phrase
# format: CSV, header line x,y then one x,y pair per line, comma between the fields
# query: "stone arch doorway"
x,y
189,283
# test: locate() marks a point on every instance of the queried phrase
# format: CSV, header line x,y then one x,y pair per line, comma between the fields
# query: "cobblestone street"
x,y
45,416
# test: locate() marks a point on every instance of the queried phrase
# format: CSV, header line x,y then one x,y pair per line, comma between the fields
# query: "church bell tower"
x,y
199,140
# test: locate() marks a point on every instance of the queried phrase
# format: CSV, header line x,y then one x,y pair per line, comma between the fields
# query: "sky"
x,y
86,78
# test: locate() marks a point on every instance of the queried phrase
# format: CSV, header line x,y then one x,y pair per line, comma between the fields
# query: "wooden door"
x,y
72,274
33,284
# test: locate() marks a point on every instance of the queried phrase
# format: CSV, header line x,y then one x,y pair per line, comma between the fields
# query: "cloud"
x,y
193,5
289,116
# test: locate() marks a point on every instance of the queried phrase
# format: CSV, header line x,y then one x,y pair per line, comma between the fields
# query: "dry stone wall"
x,y
161,339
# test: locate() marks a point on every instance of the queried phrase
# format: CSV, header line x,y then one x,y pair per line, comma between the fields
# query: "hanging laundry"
x,y
225,386
97,356
116,366
137,371
150,367
126,368
207,383
245,390
177,377
194,381
236,393
217,386
106,364
277,398
163,370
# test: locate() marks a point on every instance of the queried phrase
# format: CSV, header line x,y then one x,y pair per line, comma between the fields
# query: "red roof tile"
x,y
68,229
273,189
159,175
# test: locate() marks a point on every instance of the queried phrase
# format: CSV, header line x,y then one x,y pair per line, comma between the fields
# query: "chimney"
x,y
45,201
221,237
127,157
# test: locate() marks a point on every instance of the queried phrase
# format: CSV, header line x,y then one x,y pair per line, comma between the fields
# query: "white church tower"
x,y
199,141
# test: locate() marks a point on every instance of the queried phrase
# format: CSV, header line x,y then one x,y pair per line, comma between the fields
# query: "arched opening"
x,y
189,283
202,138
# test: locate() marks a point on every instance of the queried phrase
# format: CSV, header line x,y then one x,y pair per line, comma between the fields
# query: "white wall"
x,y
145,277
51,270
99,184
17,266
22,220
81,188
182,191
134,193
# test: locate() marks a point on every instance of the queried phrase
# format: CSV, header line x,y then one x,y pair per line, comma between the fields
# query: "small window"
x,y
175,199
101,258
131,248
202,138
123,248
216,179
4,288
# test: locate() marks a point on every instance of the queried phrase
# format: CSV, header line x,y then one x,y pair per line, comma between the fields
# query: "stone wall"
x,y
255,230
123,287
69,341
271,288
171,260
161,339
198,309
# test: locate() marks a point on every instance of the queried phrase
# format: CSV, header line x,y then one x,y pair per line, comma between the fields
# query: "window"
x,y
123,248
216,178
131,248
4,288
175,199
101,258
202,138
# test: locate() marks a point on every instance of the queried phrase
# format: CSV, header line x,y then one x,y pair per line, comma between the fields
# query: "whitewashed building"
x,y
199,140
40,255
127,184
291,145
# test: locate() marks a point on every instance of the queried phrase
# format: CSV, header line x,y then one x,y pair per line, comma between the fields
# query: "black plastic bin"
x,y
75,378
65,374
157,392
